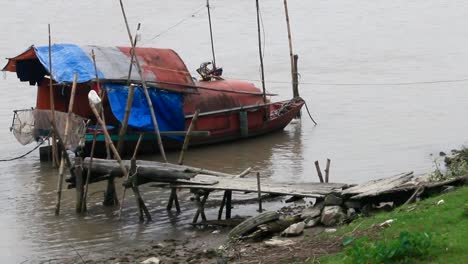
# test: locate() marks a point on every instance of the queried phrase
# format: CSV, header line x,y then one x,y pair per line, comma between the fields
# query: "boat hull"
x,y
223,126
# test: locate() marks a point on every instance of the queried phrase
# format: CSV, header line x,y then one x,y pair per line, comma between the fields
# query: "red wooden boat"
x,y
228,109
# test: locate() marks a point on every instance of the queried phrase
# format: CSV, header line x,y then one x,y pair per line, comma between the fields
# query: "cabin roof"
x,y
112,63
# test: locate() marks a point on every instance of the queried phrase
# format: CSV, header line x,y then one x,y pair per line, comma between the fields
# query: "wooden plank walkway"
x,y
207,182
377,187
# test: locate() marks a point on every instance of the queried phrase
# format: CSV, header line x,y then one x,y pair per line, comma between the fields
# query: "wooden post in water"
x,y
295,77
319,172
65,142
188,136
221,207
88,174
128,174
327,170
259,190
173,199
228,204
79,185
52,104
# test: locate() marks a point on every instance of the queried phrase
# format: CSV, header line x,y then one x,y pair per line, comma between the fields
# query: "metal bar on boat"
x,y
240,108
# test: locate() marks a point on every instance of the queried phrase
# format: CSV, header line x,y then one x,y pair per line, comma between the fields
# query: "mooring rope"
x,y
308,112
27,153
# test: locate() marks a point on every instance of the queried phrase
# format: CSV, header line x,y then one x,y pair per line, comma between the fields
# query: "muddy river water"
x,y
386,81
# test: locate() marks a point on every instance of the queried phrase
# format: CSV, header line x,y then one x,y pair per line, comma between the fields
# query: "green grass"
x,y
446,223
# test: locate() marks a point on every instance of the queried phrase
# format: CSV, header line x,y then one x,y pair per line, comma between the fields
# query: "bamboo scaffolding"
x,y
145,88
131,90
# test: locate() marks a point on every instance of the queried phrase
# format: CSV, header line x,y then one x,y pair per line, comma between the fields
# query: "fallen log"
x,y
273,227
153,171
251,223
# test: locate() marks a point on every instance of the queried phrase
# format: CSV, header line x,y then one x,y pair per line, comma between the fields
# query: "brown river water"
x,y
370,73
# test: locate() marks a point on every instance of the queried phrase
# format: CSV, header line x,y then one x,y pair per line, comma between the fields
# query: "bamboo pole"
x,y
132,53
188,136
123,129
261,53
65,141
131,90
133,160
101,94
79,186
137,146
52,102
104,130
88,174
145,89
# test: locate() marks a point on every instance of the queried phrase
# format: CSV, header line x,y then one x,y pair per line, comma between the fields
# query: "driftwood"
x,y
251,223
273,227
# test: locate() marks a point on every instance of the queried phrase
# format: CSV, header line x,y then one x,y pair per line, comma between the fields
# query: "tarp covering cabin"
x,y
112,63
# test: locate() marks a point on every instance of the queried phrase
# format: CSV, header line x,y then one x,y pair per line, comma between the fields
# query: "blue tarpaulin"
x,y
168,107
68,59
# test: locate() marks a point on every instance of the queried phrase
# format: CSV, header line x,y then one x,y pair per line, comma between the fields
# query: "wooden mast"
x,y
260,52
211,34
292,57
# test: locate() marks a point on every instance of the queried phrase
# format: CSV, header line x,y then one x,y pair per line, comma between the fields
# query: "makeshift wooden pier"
x,y
201,182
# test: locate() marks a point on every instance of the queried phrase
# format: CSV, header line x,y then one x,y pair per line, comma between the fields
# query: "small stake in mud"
x,y
259,190
319,172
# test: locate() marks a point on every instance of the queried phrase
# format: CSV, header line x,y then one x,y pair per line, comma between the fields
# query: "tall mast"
x,y
211,33
291,55
261,53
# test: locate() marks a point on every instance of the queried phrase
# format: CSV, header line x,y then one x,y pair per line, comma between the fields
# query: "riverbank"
x,y
443,218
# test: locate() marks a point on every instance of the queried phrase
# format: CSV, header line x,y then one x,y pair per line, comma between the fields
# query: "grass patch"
x,y
446,224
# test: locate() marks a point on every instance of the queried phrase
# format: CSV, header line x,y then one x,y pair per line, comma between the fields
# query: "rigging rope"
x,y
361,84
27,153
175,25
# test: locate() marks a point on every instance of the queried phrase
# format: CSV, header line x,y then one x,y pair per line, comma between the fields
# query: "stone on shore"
x,y
311,222
332,199
294,229
153,260
332,216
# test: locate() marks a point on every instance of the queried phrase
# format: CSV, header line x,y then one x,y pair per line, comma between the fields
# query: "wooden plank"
x,y
250,185
376,187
